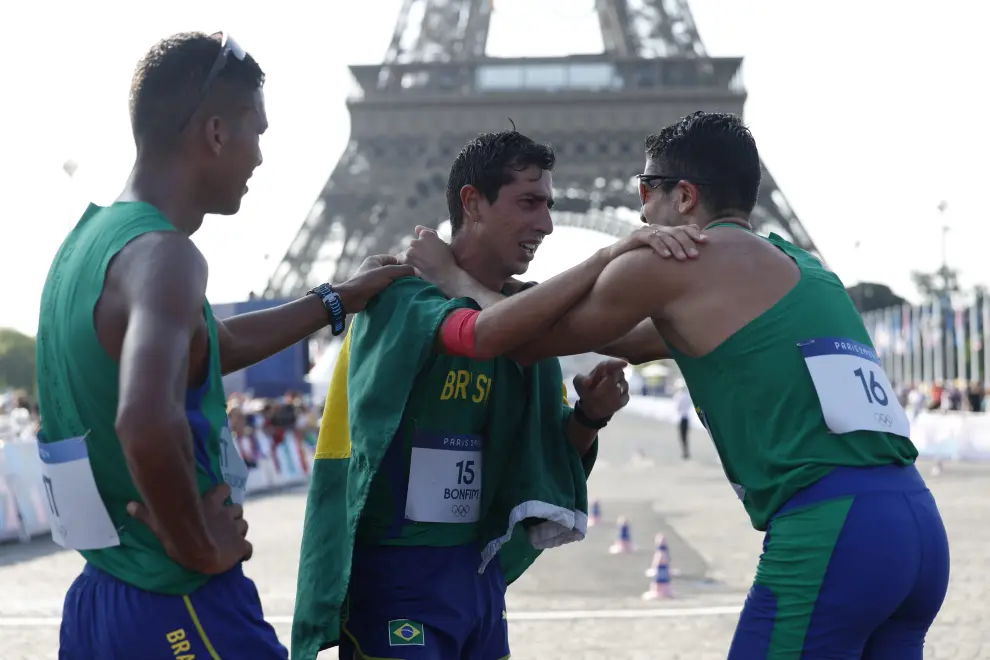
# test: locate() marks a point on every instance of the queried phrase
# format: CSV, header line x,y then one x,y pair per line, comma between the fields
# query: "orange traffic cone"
x,y
596,514
660,572
623,543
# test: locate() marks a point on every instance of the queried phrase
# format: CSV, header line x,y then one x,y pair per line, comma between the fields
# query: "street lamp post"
x,y
942,206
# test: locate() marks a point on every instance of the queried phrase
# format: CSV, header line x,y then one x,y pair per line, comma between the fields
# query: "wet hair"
x,y
714,148
167,86
489,162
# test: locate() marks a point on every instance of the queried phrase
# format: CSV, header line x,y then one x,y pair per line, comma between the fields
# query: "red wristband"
x,y
457,332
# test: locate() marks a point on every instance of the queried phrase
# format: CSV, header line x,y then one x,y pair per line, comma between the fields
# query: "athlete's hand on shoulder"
x,y
513,286
432,259
678,242
604,391
225,525
371,277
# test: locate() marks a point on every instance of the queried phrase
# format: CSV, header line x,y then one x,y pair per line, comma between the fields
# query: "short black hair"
x,y
711,147
488,162
167,85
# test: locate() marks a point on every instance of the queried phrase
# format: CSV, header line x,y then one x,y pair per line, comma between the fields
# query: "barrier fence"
x,y
950,435
24,506
933,342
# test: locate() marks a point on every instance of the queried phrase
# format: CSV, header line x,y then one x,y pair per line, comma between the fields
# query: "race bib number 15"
x,y
444,478
853,390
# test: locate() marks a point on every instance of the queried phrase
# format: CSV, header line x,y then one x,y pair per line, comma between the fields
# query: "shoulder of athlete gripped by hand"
x,y
410,287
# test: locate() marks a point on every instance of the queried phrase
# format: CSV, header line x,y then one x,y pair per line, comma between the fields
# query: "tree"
x,y
18,369
868,296
943,284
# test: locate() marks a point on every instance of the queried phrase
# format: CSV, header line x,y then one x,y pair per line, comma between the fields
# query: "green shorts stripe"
x,y
793,566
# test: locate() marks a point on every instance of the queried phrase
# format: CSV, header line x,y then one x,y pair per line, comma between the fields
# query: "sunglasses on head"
x,y
653,181
228,48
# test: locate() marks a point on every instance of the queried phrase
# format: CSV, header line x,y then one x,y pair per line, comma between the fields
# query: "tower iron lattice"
x,y
436,89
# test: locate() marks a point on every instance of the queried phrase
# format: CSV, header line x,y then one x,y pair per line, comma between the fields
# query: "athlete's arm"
x,y
504,323
164,289
581,437
641,344
249,338
634,286
601,394
500,327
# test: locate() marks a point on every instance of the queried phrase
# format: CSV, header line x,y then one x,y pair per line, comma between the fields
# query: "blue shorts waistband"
x,y
844,481
91,571
472,549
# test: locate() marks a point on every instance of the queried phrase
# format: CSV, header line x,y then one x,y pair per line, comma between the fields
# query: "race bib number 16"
x,y
853,390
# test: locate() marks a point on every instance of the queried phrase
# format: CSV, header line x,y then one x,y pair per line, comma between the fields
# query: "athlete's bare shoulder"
x,y
738,277
734,252
148,252
161,274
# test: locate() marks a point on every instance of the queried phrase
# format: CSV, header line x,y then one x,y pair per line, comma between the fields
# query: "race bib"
x,y
233,467
444,478
79,518
853,390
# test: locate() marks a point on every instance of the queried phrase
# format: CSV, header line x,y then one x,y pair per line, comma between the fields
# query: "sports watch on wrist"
x,y
335,308
585,421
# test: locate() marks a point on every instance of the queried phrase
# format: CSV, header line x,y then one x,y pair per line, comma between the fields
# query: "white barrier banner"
x,y
23,511
961,436
10,520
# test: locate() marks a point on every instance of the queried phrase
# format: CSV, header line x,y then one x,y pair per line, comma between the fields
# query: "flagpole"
x,y
911,360
975,345
985,340
961,343
871,327
938,341
949,337
896,343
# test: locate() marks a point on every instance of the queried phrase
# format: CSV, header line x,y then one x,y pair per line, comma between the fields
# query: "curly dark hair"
x,y
167,86
711,147
488,162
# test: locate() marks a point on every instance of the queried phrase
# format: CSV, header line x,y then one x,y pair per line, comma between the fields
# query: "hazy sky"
x,y
865,111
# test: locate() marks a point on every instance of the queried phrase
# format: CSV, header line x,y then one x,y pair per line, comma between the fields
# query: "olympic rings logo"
x,y
460,510
884,420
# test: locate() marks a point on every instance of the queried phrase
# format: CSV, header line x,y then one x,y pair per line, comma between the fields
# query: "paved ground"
x,y
579,602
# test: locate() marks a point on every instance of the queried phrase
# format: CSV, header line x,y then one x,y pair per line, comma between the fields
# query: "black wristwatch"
x,y
335,308
583,419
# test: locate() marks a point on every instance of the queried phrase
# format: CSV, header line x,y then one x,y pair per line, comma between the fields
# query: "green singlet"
x,y
87,481
795,393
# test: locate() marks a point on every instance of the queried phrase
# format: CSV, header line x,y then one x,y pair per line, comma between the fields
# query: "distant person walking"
x,y
685,408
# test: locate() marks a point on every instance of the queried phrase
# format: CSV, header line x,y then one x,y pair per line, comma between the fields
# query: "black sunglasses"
x,y
228,47
653,181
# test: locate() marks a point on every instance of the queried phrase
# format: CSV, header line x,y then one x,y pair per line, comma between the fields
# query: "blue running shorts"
x,y
424,603
108,619
854,567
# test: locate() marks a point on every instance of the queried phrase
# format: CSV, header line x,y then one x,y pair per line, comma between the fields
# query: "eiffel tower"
x,y
436,90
